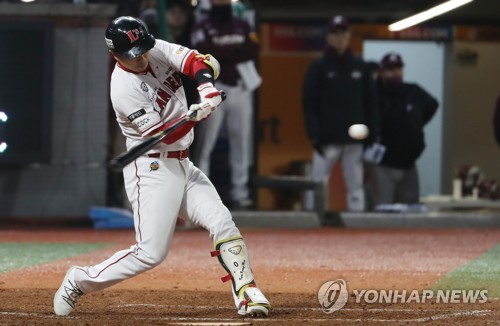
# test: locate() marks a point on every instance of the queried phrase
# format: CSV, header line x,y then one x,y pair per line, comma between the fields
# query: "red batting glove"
x,y
210,98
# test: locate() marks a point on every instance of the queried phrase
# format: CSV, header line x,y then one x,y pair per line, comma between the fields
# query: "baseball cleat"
x,y
258,311
253,303
68,294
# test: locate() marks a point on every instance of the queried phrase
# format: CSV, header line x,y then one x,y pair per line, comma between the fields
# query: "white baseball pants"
x,y
158,197
395,186
352,169
235,114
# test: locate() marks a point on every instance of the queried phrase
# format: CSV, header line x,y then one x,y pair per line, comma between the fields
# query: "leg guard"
x,y
233,256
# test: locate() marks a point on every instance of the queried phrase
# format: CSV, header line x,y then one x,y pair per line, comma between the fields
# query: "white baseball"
x,y
358,131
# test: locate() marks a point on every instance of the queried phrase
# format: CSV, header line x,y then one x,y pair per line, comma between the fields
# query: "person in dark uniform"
x,y
404,109
231,40
496,121
338,92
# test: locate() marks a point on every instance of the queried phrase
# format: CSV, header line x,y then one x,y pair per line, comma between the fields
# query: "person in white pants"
x,y
237,108
233,42
352,168
339,92
147,97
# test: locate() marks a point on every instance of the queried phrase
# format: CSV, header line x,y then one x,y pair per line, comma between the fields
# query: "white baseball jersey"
x,y
161,188
142,101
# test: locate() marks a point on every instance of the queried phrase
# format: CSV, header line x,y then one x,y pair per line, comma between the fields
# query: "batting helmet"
x,y
129,37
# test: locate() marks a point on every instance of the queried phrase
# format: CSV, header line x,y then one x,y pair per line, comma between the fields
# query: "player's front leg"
x,y
233,256
205,208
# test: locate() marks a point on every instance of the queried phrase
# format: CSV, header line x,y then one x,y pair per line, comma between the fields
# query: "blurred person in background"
x,y
338,92
231,40
405,109
179,19
496,121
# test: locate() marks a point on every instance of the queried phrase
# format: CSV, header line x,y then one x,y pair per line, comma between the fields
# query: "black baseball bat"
x,y
122,160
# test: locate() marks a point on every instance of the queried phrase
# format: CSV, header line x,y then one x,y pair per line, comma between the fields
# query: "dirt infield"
x,y
289,266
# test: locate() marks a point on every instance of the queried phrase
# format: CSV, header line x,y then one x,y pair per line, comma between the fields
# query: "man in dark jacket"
x,y
404,110
339,92
496,121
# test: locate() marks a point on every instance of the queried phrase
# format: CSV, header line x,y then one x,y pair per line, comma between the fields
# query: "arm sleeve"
x,y
185,60
176,55
310,102
196,69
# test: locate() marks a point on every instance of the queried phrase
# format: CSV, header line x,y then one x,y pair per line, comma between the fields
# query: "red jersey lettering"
x,y
162,98
173,82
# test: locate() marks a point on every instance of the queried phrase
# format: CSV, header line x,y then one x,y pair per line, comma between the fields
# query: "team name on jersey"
x,y
161,100
228,39
173,82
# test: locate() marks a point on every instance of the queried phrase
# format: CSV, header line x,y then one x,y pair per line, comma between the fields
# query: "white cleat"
x,y
68,294
253,303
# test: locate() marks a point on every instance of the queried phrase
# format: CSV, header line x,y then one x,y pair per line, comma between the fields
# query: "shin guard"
x,y
233,256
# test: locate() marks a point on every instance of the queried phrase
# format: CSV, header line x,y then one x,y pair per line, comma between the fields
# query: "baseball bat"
x,y
122,160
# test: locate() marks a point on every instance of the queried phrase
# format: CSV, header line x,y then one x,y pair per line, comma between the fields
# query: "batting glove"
x,y
210,99
200,111
209,94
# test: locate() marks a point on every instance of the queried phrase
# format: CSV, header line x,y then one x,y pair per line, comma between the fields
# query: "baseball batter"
x,y
147,96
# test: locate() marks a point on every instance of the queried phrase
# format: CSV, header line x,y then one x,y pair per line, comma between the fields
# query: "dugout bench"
x,y
294,182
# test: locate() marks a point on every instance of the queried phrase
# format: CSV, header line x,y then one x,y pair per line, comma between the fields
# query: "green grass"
x,y
18,255
481,273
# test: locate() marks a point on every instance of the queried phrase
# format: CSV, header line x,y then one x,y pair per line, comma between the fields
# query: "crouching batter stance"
x,y
148,97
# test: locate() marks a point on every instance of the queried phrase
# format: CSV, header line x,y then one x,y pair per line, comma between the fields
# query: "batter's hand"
x,y
200,111
209,94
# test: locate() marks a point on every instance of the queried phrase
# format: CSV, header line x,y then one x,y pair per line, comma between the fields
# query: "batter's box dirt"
x,y
290,267
150,307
